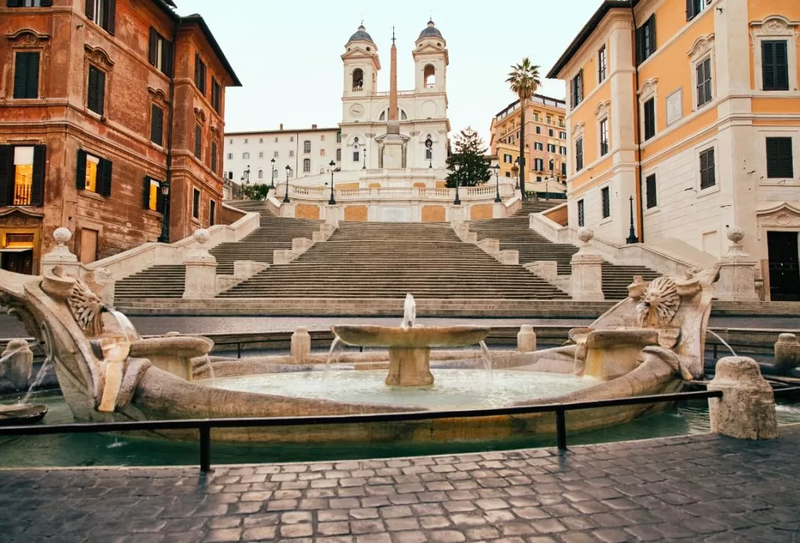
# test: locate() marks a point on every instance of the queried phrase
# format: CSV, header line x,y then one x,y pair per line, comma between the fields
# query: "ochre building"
x,y
103,105
692,109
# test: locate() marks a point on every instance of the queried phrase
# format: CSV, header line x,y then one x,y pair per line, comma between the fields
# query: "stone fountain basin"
x,y
410,338
14,415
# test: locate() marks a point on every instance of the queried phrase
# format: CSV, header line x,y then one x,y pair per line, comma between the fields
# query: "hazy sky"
x,y
287,53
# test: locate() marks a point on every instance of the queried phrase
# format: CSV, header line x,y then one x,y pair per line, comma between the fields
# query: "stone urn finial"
x,y
61,253
735,234
62,236
586,235
736,250
199,253
201,236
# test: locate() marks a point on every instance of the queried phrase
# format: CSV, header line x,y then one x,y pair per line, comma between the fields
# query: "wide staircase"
x,y
388,260
515,233
169,281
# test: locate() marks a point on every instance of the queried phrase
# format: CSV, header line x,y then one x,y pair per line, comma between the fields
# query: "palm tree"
x,y
524,81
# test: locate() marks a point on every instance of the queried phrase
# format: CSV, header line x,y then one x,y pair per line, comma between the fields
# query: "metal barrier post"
x,y
238,350
715,351
561,429
205,449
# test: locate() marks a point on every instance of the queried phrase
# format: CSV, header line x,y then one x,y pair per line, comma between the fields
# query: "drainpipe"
x,y
171,117
639,191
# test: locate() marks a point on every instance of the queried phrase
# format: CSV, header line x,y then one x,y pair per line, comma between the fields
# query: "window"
x,y
275,154
338,155
601,65
538,129
230,175
291,153
157,125
214,156
212,212
779,158
322,152
646,40
216,98
551,148
261,154
196,203
275,174
291,139
694,7
22,173
564,169
160,52
428,154
604,137
153,199
775,65
96,95
200,75
703,82
605,198
102,13
322,137
579,155
550,132
707,176
338,137
356,156
538,164
246,141
230,156
429,75
198,142
26,75
538,146
276,140
581,214
576,89
93,174
650,190
246,156
562,150
358,79
562,135
552,166
649,119
306,165
306,146
29,3
261,174
508,159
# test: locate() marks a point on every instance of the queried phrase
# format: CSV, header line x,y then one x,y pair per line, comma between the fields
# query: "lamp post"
x,y
515,172
332,200
164,237
456,168
632,235
496,169
246,175
429,147
286,196
272,175
364,167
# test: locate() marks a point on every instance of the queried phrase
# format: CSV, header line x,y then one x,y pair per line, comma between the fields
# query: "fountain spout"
x,y
409,312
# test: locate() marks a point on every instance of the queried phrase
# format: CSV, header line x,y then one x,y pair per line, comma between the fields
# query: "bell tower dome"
x,y
430,61
361,65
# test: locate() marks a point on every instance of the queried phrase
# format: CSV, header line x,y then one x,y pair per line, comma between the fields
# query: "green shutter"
x,y
39,173
152,53
80,172
104,174
111,16
6,173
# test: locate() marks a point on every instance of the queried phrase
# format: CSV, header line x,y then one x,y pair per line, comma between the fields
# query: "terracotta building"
x,y
545,142
89,92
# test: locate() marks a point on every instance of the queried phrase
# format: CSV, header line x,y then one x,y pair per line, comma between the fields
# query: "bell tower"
x,y
361,65
430,61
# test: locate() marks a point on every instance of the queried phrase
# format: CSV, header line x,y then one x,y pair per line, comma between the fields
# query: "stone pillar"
x,y
16,363
301,345
61,256
747,407
586,282
201,270
787,353
737,272
526,339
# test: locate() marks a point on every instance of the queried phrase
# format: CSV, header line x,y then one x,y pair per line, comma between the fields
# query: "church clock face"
x,y
356,110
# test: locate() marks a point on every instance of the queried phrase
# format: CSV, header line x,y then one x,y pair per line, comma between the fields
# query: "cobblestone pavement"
x,y
699,488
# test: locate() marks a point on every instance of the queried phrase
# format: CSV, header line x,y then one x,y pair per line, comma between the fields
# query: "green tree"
x,y
470,155
255,192
524,81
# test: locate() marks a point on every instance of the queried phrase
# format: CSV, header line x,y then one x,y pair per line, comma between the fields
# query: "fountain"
x,y
649,343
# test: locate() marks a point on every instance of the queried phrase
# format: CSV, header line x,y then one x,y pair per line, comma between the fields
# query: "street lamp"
x,y
332,200
515,172
429,147
246,175
164,237
272,175
496,169
364,167
632,235
286,196
456,168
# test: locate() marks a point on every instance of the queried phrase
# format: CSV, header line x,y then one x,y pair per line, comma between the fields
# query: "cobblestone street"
x,y
701,488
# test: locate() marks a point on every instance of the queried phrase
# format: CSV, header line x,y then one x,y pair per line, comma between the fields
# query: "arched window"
x,y
322,170
275,174
339,137
403,116
261,174
429,73
306,165
306,146
358,79
291,173
385,113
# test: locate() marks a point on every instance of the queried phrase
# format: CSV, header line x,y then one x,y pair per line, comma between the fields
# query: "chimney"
x,y
313,127
281,126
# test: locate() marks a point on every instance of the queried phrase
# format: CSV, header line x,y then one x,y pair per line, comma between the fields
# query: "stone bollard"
x,y
16,363
586,281
747,407
301,345
61,256
737,272
201,270
526,339
787,353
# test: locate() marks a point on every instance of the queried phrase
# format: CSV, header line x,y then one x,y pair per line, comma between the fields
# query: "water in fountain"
x,y
333,356
409,312
210,369
716,335
125,325
36,382
487,361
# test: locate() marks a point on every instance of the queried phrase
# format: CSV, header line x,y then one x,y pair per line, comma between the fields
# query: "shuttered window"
x,y
694,7
214,151
160,52
779,158
581,214
153,199
26,75
649,119
93,174
651,191
198,142
200,74
196,203
102,13
22,175
157,125
775,65
576,89
704,82
29,3
96,95
216,95
579,155
212,212
601,65
646,40
605,198
604,137
708,177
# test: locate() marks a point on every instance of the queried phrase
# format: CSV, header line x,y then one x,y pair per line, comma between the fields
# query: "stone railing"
x,y
484,193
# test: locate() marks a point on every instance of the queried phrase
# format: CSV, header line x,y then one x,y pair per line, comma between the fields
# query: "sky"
x,y
287,53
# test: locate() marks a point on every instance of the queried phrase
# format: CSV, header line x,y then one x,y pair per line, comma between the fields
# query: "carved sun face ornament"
x,y
86,307
659,303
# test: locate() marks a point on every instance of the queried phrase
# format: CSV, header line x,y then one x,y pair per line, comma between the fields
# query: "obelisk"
x,y
393,83
393,144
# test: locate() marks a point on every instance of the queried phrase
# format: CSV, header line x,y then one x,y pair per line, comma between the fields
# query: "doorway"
x,y
88,245
17,261
784,266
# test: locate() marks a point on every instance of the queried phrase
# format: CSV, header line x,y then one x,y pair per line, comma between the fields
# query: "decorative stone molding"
x,y
577,130
648,89
27,38
774,25
158,97
200,115
215,131
784,215
602,109
701,46
98,56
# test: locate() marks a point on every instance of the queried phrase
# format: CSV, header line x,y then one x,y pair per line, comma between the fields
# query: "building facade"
x,y
105,106
684,119
545,142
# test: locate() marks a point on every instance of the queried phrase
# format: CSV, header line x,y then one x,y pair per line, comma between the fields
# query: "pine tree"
x,y
470,155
